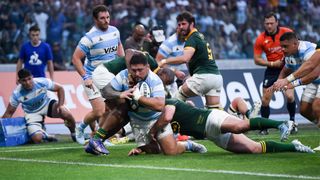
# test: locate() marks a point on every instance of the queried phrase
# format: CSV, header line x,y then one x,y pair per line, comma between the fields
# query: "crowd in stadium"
x,y
230,26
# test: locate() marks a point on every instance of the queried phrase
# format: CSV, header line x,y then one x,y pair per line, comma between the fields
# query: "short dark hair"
x,y
23,73
186,15
138,58
288,36
271,14
97,9
34,28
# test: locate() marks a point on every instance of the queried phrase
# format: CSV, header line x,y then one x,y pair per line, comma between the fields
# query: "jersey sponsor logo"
x,y
275,49
111,49
34,59
175,127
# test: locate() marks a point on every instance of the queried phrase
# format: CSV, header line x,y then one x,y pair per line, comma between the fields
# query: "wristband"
x,y
296,82
291,78
85,77
163,61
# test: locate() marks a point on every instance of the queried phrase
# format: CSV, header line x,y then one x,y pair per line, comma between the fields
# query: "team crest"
x,y
175,127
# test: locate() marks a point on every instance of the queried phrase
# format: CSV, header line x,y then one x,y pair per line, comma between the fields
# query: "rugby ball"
x,y
144,89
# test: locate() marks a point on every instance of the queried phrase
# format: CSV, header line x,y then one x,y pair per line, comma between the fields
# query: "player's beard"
x,y
185,33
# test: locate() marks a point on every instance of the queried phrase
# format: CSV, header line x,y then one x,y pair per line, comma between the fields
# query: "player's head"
x,y
101,17
139,66
25,79
34,33
289,43
186,22
139,32
166,75
271,23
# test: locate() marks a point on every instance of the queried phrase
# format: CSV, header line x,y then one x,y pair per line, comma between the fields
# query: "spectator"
x,y
135,41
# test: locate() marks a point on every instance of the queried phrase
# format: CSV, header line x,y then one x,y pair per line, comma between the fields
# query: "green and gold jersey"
x,y
202,61
318,46
188,120
119,64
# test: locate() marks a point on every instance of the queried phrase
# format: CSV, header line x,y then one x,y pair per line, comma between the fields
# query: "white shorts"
x,y
35,121
101,76
141,129
310,92
213,128
205,84
92,93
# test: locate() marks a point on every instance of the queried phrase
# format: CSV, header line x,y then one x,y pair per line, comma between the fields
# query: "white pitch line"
x,y
163,168
53,148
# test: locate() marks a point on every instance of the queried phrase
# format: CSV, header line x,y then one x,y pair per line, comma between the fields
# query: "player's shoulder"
x,y
284,30
112,28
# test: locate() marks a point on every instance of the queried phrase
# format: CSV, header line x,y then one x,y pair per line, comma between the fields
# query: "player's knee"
x,y
181,95
239,127
37,138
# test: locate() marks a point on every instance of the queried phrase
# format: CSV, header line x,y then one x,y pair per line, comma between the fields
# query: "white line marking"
x,y
163,168
56,148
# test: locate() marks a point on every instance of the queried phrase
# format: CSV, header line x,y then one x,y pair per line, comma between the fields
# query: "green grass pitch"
x,y
67,160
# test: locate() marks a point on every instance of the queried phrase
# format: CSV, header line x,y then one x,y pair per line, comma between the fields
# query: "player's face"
x,y
139,71
27,82
184,27
270,25
289,47
35,37
103,20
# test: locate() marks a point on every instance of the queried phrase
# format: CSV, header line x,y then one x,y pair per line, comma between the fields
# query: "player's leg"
x,y
291,104
65,114
239,143
308,95
98,108
316,107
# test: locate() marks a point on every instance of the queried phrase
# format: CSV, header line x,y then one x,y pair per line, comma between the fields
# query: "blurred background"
x,y
230,26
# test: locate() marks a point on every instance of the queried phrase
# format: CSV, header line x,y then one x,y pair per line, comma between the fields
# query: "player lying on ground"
x,y
223,129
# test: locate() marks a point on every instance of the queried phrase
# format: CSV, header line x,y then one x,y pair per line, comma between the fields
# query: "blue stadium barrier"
x,y
13,131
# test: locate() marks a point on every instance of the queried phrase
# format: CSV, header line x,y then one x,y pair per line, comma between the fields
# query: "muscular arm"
x,y
60,91
9,111
76,60
312,63
165,118
110,94
154,103
185,58
258,60
50,69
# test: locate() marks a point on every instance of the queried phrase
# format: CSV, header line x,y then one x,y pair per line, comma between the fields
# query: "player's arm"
x,y
185,58
305,79
312,63
120,51
153,103
151,148
128,55
282,81
76,61
60,92
50,68
18,68
109,93
164,119
9,111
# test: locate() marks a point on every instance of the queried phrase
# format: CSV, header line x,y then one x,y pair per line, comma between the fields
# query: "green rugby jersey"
x,y
188,120
202,61
119,64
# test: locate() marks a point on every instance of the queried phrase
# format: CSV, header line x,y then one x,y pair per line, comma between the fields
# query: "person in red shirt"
x,y
268,42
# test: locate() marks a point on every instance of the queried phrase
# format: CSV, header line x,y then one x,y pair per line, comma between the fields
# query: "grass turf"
x,y
67,160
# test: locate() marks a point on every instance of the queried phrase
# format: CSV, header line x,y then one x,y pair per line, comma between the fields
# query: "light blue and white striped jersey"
x,y
35,99
172,47
99,46
305,51
121,83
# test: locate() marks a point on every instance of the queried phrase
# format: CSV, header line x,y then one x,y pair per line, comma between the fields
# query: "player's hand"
x,y
134,151
88,83
162,62
127,94
180,74
136,94
280,84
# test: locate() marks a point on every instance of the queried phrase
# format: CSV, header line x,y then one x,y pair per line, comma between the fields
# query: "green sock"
x,y
260,123
271,147
100,134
